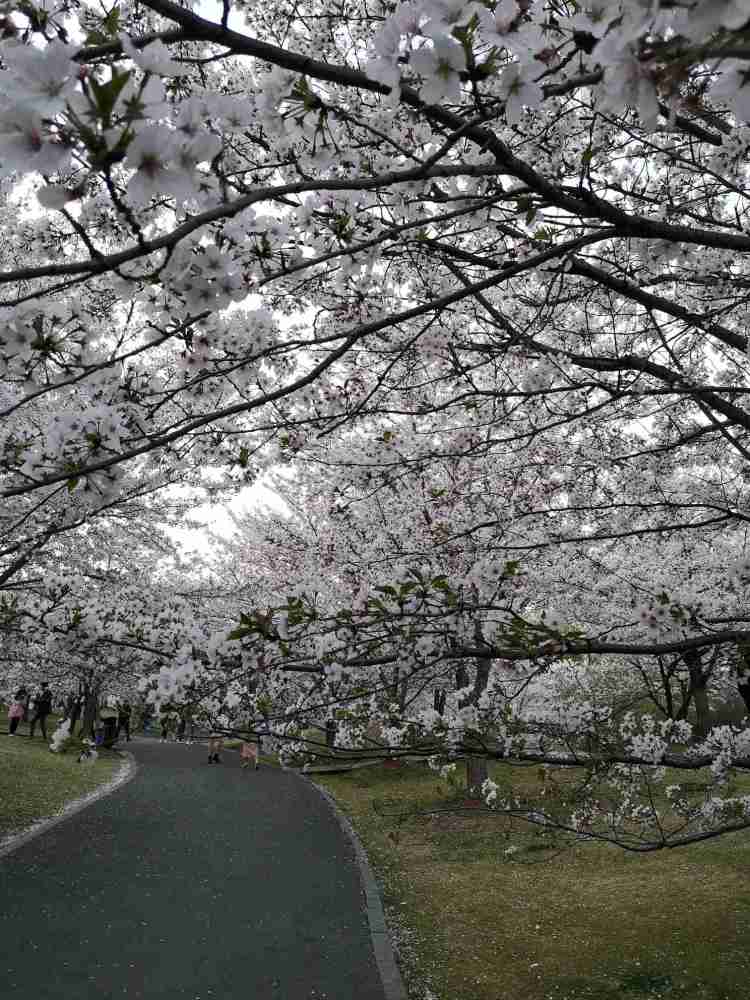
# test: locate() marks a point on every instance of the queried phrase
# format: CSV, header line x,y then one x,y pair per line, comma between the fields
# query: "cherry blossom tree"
x,y
474,274
504,649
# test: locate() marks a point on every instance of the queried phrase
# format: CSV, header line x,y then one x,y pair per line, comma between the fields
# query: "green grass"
x,y
35,783
587,923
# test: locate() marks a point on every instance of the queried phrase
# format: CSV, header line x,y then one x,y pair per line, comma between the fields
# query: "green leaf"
x,y
96,37
111,23
106,94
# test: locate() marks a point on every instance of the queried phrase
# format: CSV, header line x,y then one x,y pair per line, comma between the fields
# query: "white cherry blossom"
x,y
440,66
519,90
24,145
496,24
154,156
705,18
152,58
628,80
41,78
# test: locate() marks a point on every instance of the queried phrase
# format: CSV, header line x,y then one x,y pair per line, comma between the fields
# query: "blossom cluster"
x,y
521,42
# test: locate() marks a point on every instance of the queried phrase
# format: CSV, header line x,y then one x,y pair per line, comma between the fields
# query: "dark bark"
x,y
75,713
743,673
403,694
699,692
476,775
90,708
476,766
394,684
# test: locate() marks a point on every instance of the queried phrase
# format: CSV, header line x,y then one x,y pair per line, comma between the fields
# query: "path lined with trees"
x,y
467,283
190,881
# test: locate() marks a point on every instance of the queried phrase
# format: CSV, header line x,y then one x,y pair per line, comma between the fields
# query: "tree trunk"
x,y
75,712
687,698
476,767
330,732
403,694
700,700
699,691
394,684
666,684
90,708
743,671
476,775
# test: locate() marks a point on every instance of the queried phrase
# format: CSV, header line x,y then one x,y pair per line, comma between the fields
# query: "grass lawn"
x,y
35,783
589,922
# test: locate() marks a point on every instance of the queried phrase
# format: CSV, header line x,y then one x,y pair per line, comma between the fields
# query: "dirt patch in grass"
x,y
35,783
491,909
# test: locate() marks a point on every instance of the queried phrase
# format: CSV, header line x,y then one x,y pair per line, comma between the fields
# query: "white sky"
x,y
217,519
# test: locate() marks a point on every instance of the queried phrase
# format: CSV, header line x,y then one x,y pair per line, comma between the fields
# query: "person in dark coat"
x,y
124,712
109,716
42,707
73,708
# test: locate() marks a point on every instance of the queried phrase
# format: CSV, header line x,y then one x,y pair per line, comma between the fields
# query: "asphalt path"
x,y
197,881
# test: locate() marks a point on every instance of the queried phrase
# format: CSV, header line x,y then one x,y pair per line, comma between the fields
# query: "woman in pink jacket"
x,y
249,754
16,710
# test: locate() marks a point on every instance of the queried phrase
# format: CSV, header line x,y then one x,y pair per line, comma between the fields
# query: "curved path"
x,y
190,881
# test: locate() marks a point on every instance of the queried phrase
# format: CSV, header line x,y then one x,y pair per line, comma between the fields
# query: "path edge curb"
x,y
385,959
126,773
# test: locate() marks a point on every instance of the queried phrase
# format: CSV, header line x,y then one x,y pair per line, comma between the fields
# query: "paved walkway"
x,y
191,881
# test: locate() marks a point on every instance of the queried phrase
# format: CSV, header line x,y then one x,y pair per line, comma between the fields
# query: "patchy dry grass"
x,y
541,923
35,783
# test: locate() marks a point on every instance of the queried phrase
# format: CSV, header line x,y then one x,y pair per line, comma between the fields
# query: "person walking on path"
x,y
16,710
215,746
147,718
249,754
73,708
108,713
124,712
168,719
42,708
